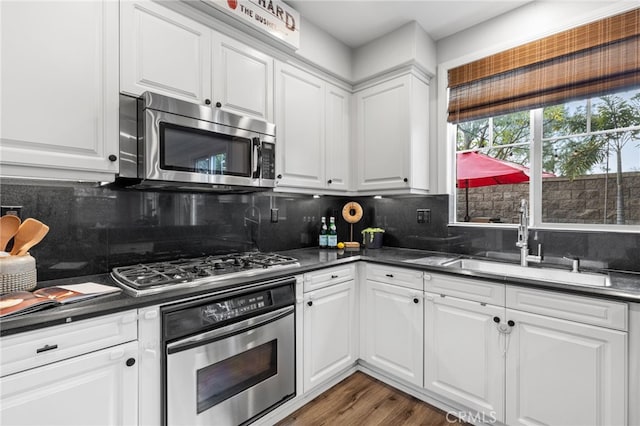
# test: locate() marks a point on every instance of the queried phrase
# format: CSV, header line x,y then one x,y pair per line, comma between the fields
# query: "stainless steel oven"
x,y
166,142
230,358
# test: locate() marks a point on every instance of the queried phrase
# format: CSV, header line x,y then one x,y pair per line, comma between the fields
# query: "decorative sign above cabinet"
x,y
271,16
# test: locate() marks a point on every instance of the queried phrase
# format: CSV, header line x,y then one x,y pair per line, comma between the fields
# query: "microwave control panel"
x,y
268,160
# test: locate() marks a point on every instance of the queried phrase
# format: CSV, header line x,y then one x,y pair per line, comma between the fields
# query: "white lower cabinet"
x,y
330,343
99,388
565,373
392,329
463,358
81,373
548,362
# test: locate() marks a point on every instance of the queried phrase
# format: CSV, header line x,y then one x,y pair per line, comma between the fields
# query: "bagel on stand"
x,y
352,213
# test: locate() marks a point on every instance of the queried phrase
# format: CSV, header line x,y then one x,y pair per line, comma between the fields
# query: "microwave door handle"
x,y
257,157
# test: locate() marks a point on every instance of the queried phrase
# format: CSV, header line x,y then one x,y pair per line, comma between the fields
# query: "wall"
x,y
317,47
532,21
94,229
564,200
409,44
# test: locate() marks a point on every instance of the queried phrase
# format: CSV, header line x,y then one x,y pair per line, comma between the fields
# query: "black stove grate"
x,y
167,273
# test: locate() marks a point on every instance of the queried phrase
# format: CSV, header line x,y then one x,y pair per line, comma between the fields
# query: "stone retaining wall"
x,y
564,200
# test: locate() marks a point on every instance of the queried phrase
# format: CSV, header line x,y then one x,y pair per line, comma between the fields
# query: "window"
x,y
589,162
593,147
555,121
503,155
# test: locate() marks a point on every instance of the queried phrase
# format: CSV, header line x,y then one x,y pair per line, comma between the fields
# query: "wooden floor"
x,y
363,400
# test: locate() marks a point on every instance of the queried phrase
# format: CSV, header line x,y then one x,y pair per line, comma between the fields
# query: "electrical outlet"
x,y
423,215
11,210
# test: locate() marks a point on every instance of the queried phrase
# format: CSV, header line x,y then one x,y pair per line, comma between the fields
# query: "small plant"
x,y
369,233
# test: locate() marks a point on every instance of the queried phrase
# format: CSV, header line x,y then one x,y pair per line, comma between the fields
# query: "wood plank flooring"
x,y
363,400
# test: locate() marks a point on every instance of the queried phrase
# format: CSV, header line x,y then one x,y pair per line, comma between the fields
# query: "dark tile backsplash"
x,y
94,229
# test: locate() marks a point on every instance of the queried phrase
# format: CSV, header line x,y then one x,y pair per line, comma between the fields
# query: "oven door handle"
x,y
230,330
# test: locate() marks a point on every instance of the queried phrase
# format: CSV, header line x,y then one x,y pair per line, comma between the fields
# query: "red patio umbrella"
x,y
475,169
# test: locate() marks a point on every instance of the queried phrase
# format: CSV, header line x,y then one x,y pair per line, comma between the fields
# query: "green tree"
x,y
579,155
507,129
472,134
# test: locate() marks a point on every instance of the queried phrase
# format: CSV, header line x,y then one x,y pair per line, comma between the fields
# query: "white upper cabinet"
x,y
337,138
163,52
242,78
392,136
312,126
59,89
299,128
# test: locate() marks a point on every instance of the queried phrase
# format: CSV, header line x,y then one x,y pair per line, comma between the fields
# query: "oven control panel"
x,y
187,318
239,306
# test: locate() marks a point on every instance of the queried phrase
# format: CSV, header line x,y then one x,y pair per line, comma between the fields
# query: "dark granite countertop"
x,y
624,286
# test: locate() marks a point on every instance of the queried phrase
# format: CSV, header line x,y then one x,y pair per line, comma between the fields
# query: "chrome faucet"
x,y
523,237
575,263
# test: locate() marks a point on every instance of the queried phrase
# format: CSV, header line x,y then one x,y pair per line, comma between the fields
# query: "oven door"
x,y
230,375
183,149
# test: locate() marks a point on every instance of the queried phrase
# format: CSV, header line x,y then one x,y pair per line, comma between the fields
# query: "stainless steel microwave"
x,y
170,143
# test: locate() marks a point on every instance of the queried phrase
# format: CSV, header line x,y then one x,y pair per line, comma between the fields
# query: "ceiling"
x,y
357,22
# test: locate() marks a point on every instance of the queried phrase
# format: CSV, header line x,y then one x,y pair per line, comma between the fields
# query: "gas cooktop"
x,y
156,277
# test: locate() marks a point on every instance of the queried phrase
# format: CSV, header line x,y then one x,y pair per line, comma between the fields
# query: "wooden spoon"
x,y
30,233
9,225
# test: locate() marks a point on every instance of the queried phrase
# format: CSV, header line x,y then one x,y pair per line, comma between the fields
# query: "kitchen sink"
x,y
553,275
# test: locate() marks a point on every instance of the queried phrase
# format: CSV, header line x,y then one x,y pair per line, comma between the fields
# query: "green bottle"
x,y
323,234
332,240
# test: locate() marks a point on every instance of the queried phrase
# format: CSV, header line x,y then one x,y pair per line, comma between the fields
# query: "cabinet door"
x,y
59,89
464,353
565,373
329,332
163,52
383,135
98,388
300,122
337,146
242,78
393,330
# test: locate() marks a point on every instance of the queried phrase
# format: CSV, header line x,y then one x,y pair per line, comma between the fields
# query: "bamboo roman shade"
x,y
589,60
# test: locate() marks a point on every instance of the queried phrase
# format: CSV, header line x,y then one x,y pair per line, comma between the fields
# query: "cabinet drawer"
x,y
583,309
32,349
410,278
465,288
324,277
